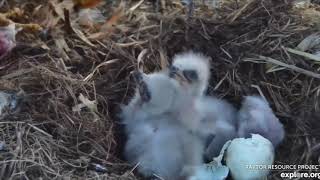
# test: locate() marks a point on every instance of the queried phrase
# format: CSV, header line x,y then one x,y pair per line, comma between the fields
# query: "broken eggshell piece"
x,y
245,153
214,170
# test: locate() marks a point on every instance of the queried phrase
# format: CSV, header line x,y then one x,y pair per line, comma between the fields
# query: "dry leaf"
x,y
4,21
59,7
29,27
16,13
108,27
86,3
119,12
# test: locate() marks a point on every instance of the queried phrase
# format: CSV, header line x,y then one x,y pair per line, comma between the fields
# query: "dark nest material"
x,y
247,40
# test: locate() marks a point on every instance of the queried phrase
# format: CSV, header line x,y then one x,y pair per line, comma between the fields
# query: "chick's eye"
x,y
190,75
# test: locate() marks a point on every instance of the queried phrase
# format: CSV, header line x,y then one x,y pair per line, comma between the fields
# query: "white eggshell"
x,y
212,171
242,153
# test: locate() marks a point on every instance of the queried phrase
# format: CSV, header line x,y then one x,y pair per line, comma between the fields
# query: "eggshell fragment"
x,y
245,153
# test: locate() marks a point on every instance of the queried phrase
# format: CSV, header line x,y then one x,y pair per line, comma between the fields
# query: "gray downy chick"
x,y
256,117
217,125
157,141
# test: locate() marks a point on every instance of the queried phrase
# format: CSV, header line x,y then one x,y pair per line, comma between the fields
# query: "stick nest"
x,y
49,138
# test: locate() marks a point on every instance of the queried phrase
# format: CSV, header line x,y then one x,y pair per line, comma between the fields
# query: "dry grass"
x,y
48,140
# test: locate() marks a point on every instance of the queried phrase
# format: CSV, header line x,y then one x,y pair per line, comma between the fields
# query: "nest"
x,y
248,42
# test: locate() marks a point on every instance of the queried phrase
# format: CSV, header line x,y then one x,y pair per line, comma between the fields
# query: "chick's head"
x,y
192,70
157,92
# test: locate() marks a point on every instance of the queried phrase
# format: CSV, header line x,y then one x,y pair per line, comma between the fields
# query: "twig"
x,y
131,43
292,67
304,54
136,6
221,81
140,60
17,73
86,79
40,130
240,11
259,90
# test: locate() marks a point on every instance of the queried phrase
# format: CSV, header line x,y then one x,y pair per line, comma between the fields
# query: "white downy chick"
x,y
157,94
218,117
166,151
256,117
156,139
195,69
148,92
164,96
192,71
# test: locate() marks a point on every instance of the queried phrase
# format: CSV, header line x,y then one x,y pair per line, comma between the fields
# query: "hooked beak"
x,y
173,71
190,75
176,74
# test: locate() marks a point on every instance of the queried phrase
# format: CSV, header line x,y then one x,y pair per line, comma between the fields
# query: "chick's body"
x,y
217,125
163,148
156,138
256,117
217,117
